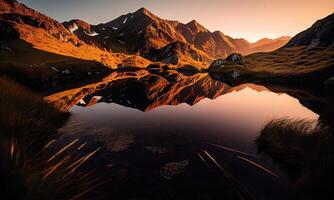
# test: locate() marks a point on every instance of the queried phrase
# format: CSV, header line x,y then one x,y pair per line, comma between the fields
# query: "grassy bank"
x,y
296,66
27,125
304,152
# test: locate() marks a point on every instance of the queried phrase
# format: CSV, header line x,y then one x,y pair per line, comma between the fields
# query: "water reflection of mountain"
x,y
142,90
145,90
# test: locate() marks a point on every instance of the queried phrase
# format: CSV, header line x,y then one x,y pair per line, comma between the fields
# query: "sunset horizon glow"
x,y
252,20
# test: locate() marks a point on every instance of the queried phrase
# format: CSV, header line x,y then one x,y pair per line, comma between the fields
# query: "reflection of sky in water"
x,y
159,149
235,117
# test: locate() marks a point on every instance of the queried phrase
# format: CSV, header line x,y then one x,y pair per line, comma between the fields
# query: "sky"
x,y
249,19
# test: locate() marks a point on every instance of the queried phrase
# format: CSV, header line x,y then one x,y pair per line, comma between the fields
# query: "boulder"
x,y
235,74
217,63
235,57
66,71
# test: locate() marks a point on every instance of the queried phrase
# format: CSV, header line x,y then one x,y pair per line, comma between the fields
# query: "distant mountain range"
x,y
145,34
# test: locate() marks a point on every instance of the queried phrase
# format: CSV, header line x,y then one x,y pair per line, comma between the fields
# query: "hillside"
x,y
49,35
36,46
308,57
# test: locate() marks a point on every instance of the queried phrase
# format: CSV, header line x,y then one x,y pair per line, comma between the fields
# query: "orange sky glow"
x,y
249,19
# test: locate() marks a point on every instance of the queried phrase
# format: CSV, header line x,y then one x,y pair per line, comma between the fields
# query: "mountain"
x,y
24,24
306,60
35,47
267,45
139,39
320,34
142,32
16,16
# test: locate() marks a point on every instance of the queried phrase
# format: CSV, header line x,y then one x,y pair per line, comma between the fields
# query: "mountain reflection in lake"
x,y
167,135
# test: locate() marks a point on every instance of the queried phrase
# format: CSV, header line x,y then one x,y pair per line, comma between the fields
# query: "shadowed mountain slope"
x,y
142,32
320,34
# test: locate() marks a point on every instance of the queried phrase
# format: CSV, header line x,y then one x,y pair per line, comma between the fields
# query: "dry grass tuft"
x,y
304,150
27,130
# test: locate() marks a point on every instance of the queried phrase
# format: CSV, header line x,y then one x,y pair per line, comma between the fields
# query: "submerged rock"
x,y
172,169
118,143
156,149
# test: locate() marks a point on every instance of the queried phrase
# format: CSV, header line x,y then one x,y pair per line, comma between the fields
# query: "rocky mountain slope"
x,y
142,32
36,48
320,34
19,22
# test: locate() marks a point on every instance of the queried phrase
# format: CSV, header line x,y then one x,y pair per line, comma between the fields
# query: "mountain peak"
x,y
193,22
145,11
196,27
142,10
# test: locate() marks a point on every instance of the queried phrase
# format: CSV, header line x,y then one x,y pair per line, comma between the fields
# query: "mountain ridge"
x,y
135,39
141,31
318,35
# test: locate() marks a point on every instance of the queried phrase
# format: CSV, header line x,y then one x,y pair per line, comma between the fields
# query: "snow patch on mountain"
x,y
125,20
74,28
92,34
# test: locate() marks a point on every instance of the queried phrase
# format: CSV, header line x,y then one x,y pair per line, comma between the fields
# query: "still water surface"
x,y
167,148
